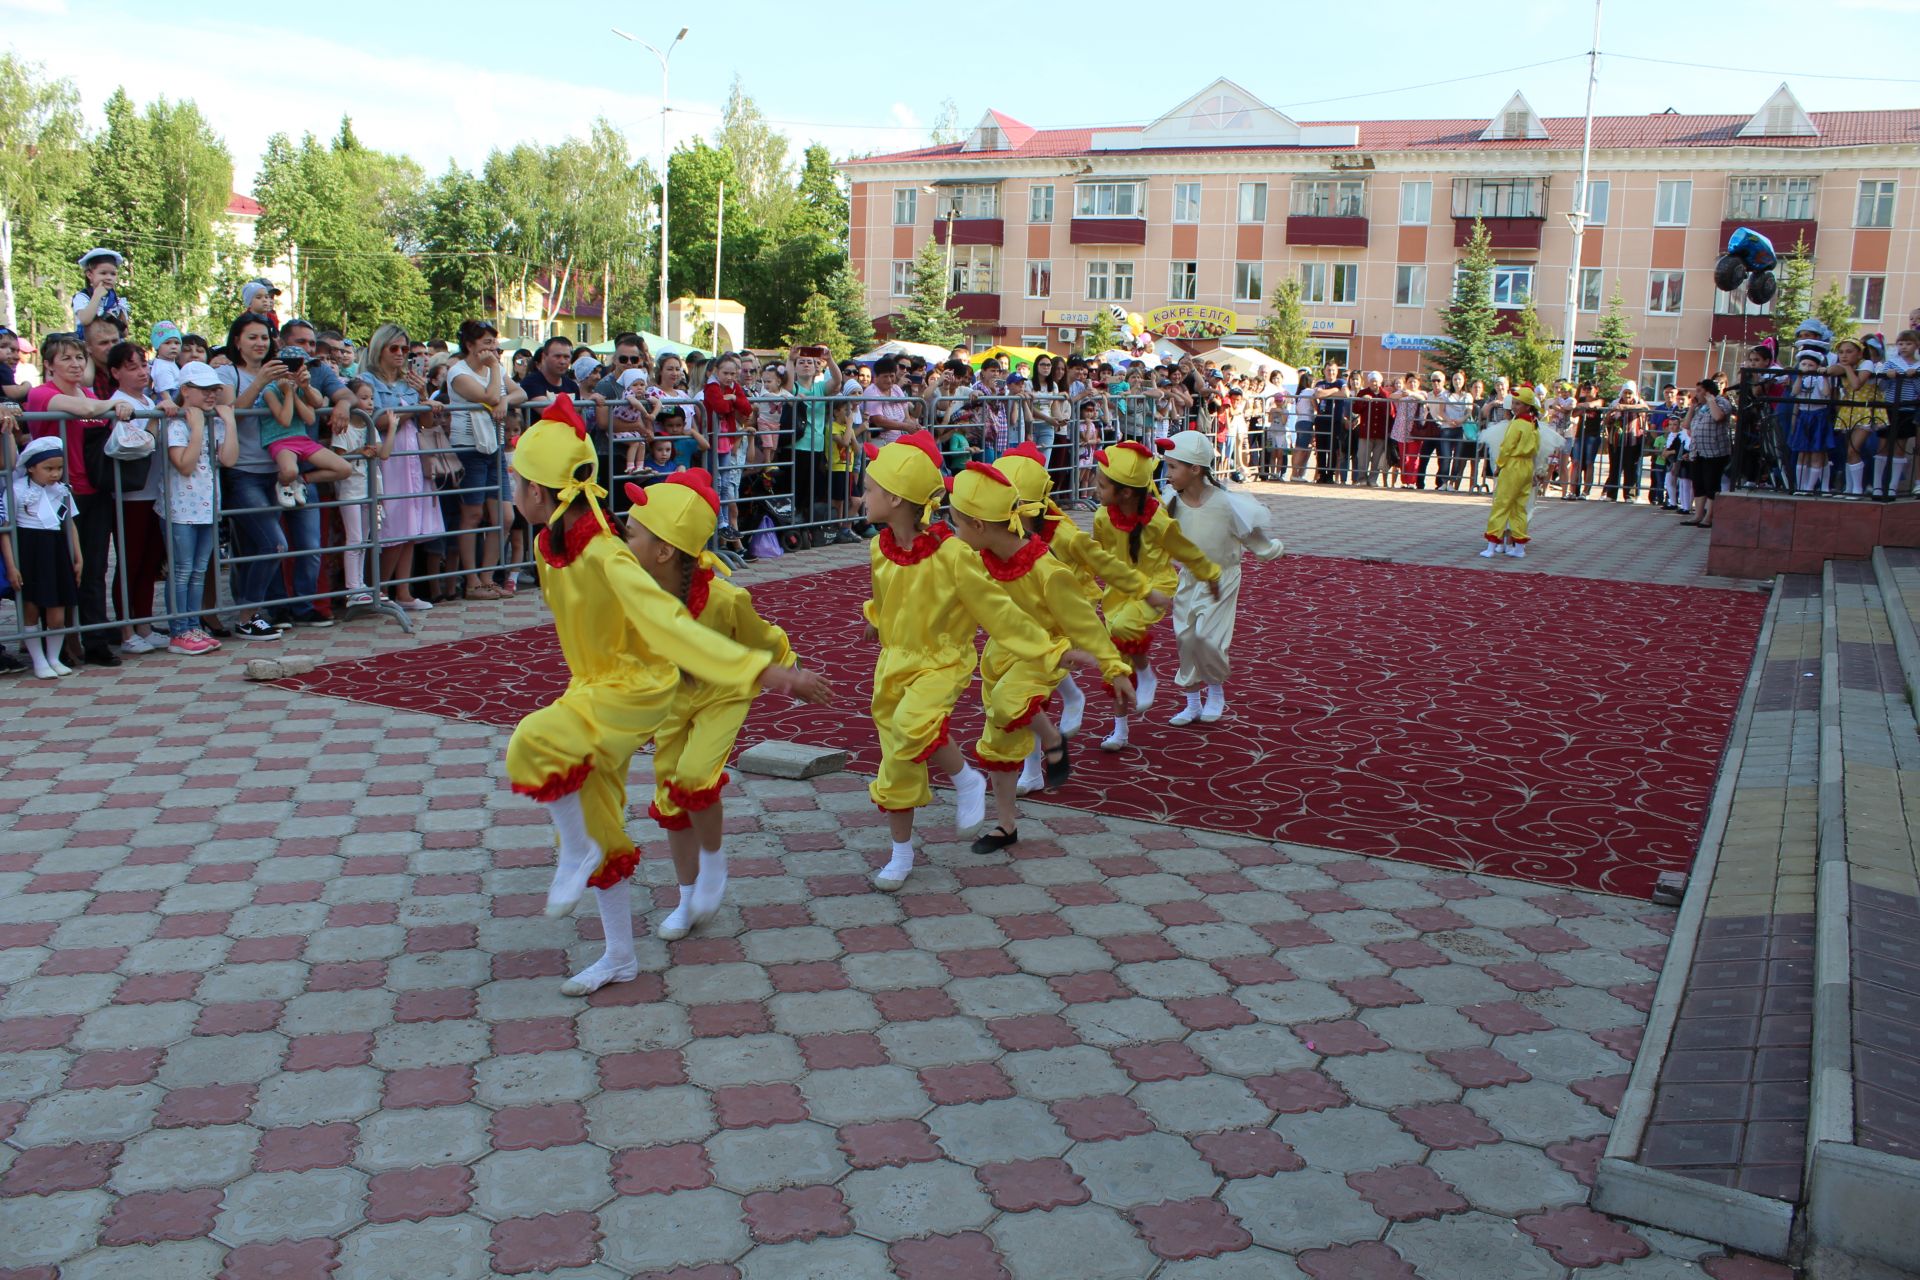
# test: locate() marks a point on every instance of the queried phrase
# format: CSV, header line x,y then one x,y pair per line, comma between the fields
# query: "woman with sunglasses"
x,y
409,509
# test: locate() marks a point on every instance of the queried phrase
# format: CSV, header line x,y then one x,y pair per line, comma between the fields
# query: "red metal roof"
x,y
1610,133
245,205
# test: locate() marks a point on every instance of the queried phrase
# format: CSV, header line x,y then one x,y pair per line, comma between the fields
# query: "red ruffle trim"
x,y
1134,648
694,801
1126,523
616,868
669,821
939,741
1519,540
1034,708
1016,568
560,784
1047,529
578,535
1494,538
996,766
698,590
924,544
904,809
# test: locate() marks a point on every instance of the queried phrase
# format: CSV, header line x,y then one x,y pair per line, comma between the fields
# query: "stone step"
x,y
1897,570
1864,1127
1710,1135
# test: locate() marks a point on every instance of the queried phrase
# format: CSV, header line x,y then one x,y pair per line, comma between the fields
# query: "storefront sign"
x,y
1066,317
1190,320
1408,341
1328,328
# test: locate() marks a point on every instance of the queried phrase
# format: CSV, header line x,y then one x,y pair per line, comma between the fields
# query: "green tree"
x,y
1835,311
1284,334
1470,322
946,124
1528,353
822,201
1793,299
458,231
194,174
41,160
927,317
118,196
760,191
849,299
1615,341
818,324
1101,334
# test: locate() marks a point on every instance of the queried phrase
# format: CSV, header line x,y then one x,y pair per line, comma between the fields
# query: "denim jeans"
x,y
1452,456
189,547
261,534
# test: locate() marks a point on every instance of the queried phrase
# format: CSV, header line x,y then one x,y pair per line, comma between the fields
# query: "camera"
x,y
294,363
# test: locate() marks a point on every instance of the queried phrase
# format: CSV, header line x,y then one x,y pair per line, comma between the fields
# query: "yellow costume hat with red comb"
x,y
682,511
1026,466
909,469
986,494
1128,463
556,454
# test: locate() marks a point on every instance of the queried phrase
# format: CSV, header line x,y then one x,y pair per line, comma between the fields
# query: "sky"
x,y
439,90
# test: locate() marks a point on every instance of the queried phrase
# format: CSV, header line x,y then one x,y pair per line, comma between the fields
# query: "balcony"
x,y
1311,229
1784,234
971,231
1506,233
1747,329
1107,231
983,307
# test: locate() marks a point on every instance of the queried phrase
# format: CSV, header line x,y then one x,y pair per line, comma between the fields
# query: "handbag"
x,y
485,431
130,447
102,471
437,458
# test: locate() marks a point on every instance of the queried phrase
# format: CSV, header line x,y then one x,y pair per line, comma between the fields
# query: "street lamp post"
x,y
665,158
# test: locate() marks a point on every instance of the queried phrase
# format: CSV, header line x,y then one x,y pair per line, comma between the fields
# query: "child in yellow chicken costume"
x,y
989,516
1131,524
931,595
668,528
1091,564
627,643
1515,451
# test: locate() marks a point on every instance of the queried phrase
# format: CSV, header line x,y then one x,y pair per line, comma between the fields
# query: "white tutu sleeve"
x,y
1249,525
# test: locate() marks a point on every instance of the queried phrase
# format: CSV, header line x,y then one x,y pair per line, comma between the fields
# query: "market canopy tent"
x,y
926,351
1015,357
1247,360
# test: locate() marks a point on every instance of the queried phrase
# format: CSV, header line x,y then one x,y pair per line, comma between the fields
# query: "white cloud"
x,y
51,8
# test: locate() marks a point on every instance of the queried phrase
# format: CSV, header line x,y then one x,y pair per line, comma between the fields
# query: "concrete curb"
x,y
1653,1196
1900,622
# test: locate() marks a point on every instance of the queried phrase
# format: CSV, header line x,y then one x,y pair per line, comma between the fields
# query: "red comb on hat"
x,y
1025,449
871,449
1136,446
987,469
636,494
1100,456
697,479
923,441
562,410
1163,444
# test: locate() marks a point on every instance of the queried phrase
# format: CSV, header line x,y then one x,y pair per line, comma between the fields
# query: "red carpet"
x,y
1561,730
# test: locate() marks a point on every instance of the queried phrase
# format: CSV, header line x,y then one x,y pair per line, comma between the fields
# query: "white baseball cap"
x,y
198,373
1190,447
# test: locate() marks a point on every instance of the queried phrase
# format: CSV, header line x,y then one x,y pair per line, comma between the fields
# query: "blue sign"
x,y
1408,342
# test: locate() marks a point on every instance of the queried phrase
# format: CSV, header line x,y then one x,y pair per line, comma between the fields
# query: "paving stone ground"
x,y
277,999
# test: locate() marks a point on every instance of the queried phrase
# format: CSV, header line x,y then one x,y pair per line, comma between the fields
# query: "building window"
x,y
1657,375
1186,202
1183,282
1770,199
1109,282
1416,204
1866,295
1738,304
906,206
1499,197
1253,202
1249,281
1106,200
1328,197
1033,340
1040,204
1346,283
900,280
580,331
1590,288
1602,200
1040,279
1672,202
1409,286
1663,292
973,269
975,200
1313,282
1876,204
1512,284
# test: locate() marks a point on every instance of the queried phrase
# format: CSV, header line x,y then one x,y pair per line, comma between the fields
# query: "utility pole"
x,y
1583,204
719,243
665,157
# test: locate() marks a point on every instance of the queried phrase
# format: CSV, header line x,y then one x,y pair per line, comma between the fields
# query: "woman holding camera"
x,y
409,508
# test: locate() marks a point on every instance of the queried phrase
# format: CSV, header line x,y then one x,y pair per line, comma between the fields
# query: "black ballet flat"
x,y
1056,771
994,841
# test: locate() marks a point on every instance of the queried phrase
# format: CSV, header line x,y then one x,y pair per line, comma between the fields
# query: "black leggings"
x,y
809,474
1706,475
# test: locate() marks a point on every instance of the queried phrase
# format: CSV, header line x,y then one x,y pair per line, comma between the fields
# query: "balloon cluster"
x,y
1138,339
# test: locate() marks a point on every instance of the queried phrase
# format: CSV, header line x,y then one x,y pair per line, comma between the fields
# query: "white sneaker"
x,y
679,921
415,605
287,495
969,802
1117,740
138,644
1145,684
360,600
1189,713
1517,551
891,877
1033,775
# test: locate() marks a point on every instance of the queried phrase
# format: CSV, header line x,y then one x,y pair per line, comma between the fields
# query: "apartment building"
x,y
1206,209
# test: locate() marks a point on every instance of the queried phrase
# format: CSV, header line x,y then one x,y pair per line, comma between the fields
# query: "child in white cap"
x,y
1226,526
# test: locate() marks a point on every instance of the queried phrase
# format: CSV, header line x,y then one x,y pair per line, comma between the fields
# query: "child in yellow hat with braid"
x,y
628,644
989,516
1131,523
1091,563
931,596
668,528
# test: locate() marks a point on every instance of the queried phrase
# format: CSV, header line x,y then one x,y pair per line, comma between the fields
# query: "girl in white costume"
x,y
1226,526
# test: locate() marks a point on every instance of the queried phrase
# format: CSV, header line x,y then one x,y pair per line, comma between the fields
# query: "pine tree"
x,y
1470,321
1284,334
927,317
819,326
849,299
1528,354
1615,341
1836,312
1793,300
1100,335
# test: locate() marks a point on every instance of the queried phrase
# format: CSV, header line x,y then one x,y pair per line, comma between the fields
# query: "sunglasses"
x,y
396,346
627,359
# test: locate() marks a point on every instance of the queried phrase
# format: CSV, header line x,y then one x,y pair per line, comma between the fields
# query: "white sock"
x,y
37,644
1216,700
1073,707
1118,737
616,962
711,884
1144,684
1032,770
1190,712
579,856
969,798
679,921
1856,477
900,863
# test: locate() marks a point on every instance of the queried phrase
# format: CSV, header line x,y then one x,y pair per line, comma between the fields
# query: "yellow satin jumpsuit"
x,y
1514,488
1130,618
